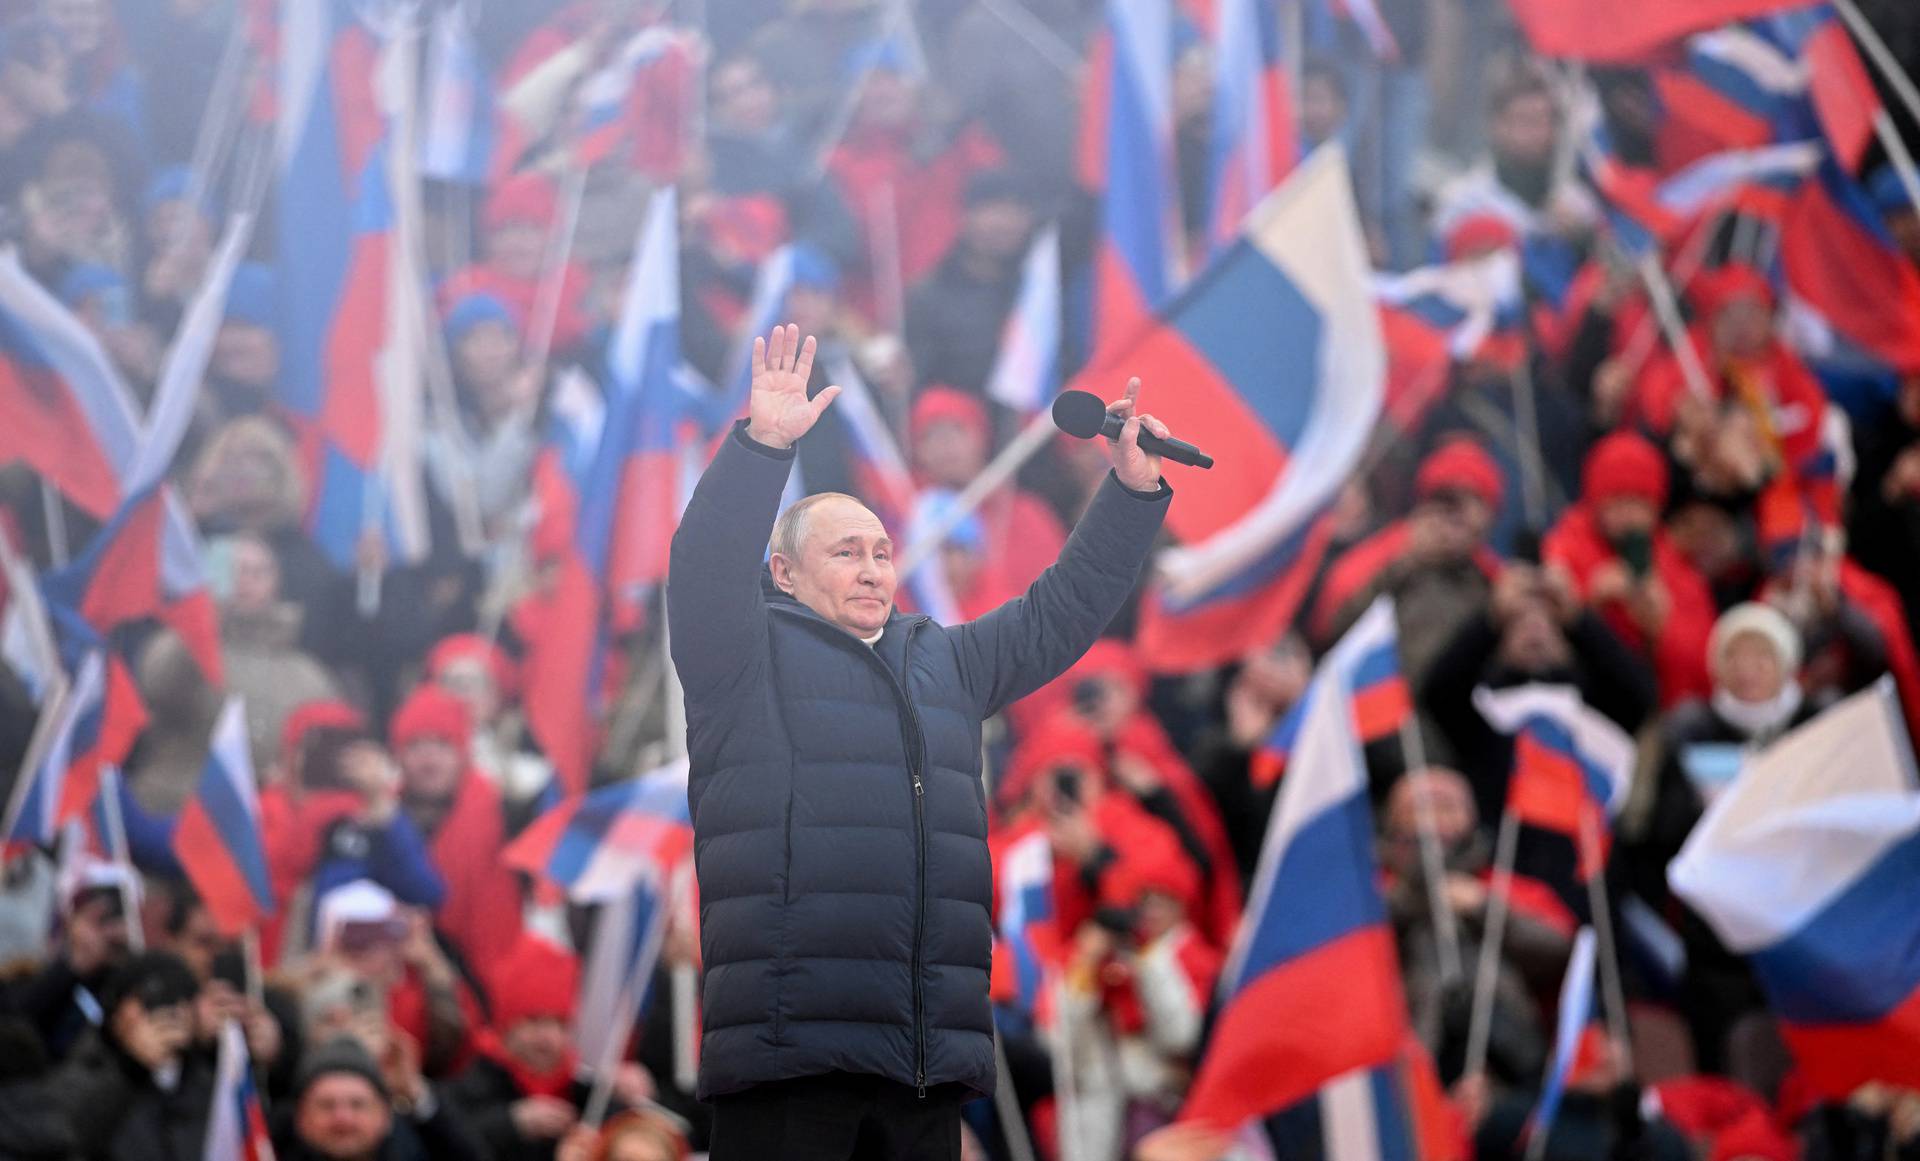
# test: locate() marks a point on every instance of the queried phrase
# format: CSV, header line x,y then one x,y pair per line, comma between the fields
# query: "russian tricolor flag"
x,y
1627,30
456,141
237,1124
599,845
1377,694
1025,919
1311,991
1572,766
86,727
1253,137
349,371
1127,157
1575,1014
1806,865
217,838
1026,374
616,977
1286,406
1843,268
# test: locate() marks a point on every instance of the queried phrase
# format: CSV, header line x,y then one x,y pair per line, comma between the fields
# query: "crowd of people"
x,y
1709,568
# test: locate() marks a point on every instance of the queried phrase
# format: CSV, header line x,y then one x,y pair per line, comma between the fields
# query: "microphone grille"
x,y
1079,413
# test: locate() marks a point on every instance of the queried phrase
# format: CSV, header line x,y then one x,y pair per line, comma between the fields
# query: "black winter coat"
x,y
839,817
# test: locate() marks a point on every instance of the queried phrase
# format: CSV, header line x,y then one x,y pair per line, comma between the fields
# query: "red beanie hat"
x,y
1625,464
532,980
1163,869
473,647
310,716
947,405
523,199
1063,741
431,712
1715,290
1461,464
1476,234
1111,657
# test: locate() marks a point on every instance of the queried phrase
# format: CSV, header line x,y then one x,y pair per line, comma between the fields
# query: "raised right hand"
x,y
778,411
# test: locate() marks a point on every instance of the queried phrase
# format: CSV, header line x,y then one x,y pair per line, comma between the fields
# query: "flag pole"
x,y
38,743
1533,486
256,978
117,851
55,515
553,279
1487,975
1611,985
1666,309
1432,858
1035,435
1006,1103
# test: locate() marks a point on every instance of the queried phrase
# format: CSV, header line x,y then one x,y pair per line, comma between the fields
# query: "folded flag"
x,y
218,837
1026,374
598,846
1806,866
1575,1013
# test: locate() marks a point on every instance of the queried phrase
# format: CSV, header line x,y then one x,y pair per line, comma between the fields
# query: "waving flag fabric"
x,y
145,561
1572,766
69,416
1024,923
1286,408
1845,270
456,142
91,727
1311,991
1253,133
618,971
217,839
1026,375
1805,866
1376,696
1627,30
1127,157
349,369
1575,1013
237,1125
599,845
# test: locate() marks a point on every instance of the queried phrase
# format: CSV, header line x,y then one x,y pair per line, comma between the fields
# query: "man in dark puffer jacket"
x,y
839,817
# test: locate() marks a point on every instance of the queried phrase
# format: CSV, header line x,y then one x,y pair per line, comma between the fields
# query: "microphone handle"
x,y
1177,450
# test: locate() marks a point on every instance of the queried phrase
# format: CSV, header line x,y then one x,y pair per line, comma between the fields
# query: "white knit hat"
x,y
1765,620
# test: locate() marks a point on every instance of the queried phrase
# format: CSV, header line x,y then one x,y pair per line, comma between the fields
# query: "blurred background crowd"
x,y
411,511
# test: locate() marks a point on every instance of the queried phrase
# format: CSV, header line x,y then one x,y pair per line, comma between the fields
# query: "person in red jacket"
x,y
1763,428
460,814
518,218
951,438
1625,567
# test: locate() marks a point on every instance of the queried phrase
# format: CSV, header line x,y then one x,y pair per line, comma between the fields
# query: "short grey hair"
x,y
790,530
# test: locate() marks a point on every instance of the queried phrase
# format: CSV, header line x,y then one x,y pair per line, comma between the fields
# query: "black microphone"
x,y
1081,414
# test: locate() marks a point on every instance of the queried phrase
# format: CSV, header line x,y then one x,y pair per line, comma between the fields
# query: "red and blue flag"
x,y
1572,766
87,726
1311,991
1285,407
1026,375
218,838
1377,695
237,1123
1127,157
1253,132
598,846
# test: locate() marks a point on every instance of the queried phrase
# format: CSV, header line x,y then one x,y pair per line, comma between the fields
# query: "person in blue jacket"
x,y
840,821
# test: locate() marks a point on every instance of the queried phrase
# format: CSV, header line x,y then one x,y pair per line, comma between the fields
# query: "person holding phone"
x,y
1622,564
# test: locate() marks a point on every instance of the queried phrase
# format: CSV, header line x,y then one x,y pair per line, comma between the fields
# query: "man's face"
x,y
199,942
1533,641
1620,517
1452,809
247,355
1523,130
998,229
540,1043
342,1118
950,455
256,578
1742,328
844,571
430,769
517,249
486,358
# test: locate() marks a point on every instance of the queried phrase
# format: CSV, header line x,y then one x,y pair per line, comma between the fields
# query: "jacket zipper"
x,y
916,760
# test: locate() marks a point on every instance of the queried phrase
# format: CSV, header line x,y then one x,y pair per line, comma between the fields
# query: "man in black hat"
x,y
345,1110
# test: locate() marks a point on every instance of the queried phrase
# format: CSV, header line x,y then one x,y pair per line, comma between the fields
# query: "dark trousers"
x,y
838,1117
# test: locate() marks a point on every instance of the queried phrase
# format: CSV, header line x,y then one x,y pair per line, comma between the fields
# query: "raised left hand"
x,y
1135,468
